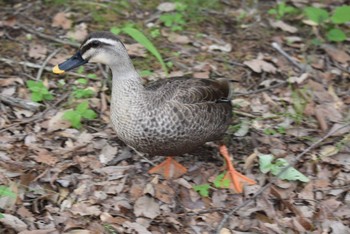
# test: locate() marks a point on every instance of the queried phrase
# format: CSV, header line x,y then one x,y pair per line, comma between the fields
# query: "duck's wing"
x,y
189,90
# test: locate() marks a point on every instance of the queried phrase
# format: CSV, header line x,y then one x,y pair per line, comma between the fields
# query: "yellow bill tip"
x,y
57,70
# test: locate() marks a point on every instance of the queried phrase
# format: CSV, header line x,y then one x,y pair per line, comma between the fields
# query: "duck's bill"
x,y
75,61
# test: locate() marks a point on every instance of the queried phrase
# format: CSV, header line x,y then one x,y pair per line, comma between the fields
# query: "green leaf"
x,y
36,97
266,165
89,114
336,35
83,93
1,216
31,83
115,30
82,107
48,96
80,70
341,15
265,162
202,189
92,76
143,40
73,117
6,192
315,14
272,12
220,182
82,81
291,173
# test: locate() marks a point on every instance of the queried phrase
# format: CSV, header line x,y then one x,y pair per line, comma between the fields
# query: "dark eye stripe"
x,y
92,44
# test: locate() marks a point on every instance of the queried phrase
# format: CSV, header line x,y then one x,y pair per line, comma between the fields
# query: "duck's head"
x,y
98,47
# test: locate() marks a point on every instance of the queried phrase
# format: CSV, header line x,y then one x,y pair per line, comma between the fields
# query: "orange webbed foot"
x,y
236,179
169,169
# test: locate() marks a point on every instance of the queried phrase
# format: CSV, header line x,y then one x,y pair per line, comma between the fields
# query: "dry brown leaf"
x,y
79,33
201,75
10,81
46,231
146,206
24,212
37,51
108,152
259,65
180,39
13,222
338,55
107,218
224,48
57,122
138,228
136,49
43,156
164,193
85,209
60,20
284,26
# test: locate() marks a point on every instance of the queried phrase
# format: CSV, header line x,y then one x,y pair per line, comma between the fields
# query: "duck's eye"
x,y
95,43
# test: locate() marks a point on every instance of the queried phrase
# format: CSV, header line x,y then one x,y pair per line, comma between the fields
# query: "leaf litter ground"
x,y
88,181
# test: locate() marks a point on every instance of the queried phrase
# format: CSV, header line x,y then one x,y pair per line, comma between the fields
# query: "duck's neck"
x,y
127,90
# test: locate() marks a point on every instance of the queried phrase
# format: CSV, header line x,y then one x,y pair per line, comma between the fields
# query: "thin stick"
x,y
277,47
37,116
21,103
247,202
40,72
260,90
42,35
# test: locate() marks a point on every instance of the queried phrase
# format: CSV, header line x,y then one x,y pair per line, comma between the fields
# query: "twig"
x,y
260,90
22,103
37,116
42,35
40,72
33,65
247,202
277,47
230,62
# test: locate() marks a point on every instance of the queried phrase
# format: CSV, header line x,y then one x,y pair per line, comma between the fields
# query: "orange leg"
x,y
236,178
169,169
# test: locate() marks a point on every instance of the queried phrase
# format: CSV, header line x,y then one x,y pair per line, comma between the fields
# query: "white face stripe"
x,y
103,40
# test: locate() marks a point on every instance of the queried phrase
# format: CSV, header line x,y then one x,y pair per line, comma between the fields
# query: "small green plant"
x,y
174,21
330,22
38,91
281,10
202,189
266,165
219,182
272,131
82,111
83,93
6,192
143,40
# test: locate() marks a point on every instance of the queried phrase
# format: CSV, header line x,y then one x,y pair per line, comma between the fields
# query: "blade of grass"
x,y
143,40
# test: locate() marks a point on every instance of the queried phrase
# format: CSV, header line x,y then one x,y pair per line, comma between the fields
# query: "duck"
x,y
168,117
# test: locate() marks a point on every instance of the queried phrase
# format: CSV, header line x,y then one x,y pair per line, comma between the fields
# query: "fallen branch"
x,y
42,35
297,158
279,49
40,72
37,116
21,103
